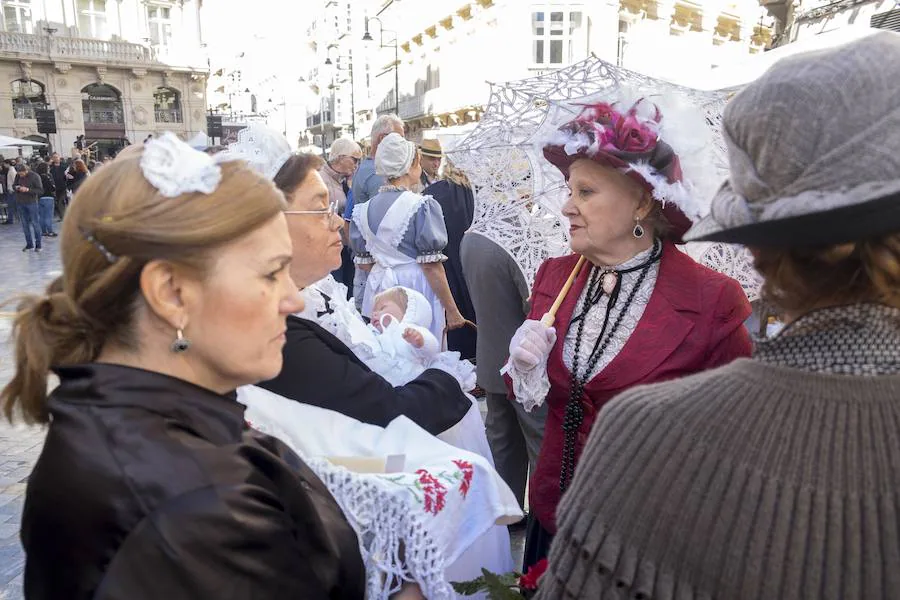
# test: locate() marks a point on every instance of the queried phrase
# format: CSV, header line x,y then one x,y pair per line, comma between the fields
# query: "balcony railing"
x,y
168,115
24,45
104,117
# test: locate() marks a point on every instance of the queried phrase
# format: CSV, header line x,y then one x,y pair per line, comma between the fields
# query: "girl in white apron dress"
x,y
397,232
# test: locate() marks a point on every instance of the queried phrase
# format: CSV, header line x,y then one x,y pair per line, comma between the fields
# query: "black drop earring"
x,y
638,231
181,343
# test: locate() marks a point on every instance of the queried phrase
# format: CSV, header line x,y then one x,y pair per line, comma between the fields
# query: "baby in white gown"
x,y
401,318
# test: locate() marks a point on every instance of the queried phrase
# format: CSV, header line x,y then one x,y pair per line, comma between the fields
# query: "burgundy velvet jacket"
x,y
693,322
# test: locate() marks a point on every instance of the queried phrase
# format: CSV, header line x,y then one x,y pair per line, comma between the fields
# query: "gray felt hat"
x,y
813,151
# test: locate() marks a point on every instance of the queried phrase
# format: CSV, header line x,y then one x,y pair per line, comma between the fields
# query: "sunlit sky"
x,y
274,29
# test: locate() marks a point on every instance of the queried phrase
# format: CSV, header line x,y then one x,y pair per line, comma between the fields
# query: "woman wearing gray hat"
x,y
399,236
776,476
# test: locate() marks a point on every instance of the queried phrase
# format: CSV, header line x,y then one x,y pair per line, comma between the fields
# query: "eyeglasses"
x,y
328,211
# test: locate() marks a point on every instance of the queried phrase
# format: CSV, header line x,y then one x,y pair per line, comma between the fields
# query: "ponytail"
x,y
48,330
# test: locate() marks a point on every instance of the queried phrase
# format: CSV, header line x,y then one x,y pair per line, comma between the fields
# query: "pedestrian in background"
x,y
58,171
28,188
76,174
46,200
431,156
343,159
12,208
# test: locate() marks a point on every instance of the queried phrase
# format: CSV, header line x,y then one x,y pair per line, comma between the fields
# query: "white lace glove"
x,y
531,345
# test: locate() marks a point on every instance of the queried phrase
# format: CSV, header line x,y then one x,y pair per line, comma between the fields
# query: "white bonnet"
x,y
418,309
395,156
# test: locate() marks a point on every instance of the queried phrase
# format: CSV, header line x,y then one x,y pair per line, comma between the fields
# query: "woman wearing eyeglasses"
x,y
319,369
399,236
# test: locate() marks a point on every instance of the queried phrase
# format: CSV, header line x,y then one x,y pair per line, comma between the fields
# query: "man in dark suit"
x,y
500,293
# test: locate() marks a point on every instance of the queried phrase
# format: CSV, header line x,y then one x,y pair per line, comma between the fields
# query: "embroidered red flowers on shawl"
x,y
434,491
467,473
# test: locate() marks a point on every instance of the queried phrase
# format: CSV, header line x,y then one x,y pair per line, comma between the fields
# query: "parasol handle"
x,y
550,316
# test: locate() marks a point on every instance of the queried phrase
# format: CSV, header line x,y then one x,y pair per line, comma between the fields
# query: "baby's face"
x,y
386,307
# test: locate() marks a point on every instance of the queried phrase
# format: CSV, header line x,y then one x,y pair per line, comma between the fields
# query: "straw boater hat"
x,y
627,134
431,148
814,151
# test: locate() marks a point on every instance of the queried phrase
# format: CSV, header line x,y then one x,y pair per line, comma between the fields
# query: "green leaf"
x,y
469,588
498,586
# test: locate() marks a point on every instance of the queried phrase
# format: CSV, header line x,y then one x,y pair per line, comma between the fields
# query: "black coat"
x,y
320,370
59,177
458,205
149,487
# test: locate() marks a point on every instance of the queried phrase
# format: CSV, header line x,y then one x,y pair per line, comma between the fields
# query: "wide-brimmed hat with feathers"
x,y
627,134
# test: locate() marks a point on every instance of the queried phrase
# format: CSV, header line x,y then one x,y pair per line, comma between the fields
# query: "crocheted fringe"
x,y
394,542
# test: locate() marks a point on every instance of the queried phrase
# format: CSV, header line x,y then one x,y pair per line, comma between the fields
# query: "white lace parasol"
x,y
519,194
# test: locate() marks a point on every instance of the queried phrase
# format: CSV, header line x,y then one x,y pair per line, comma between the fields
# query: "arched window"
x,y
27,95
167,105
253,104
102,104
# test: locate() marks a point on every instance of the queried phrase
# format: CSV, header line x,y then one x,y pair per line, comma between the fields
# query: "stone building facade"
x,y
115,71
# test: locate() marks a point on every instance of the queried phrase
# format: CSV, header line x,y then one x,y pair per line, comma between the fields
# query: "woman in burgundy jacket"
x,y
640,310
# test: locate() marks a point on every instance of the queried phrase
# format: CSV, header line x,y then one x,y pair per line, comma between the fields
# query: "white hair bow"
x,y
174,168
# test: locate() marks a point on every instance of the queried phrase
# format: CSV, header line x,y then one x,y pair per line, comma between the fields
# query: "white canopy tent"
x,y
11,142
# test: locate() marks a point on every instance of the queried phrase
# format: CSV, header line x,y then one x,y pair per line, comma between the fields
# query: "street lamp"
x,y
367,37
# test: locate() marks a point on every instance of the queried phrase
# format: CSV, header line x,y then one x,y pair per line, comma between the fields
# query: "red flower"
x,y
435,493
634,136
530,580
467,473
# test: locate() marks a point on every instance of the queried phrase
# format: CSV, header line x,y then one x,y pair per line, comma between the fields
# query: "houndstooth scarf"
x,y
860,339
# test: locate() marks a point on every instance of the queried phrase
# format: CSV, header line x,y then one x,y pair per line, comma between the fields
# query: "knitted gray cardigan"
x,y
772,477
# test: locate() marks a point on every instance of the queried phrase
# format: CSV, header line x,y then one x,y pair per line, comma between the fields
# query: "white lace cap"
x,y
174,168
263,148
418,309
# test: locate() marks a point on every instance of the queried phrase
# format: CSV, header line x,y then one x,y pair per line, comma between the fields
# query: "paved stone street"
x,y
19,445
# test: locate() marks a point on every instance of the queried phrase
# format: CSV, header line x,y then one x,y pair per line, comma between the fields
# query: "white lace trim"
x,y
594,323
530,387
431,257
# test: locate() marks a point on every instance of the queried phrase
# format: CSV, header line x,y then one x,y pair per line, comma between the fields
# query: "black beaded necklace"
x,y
574,415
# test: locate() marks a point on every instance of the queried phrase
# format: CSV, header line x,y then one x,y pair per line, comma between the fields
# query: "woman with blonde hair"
x,y
174,292
776,476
